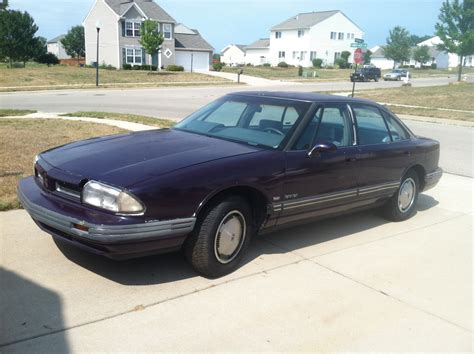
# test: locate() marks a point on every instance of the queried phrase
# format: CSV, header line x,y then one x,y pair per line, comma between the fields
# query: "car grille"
x,y
60,188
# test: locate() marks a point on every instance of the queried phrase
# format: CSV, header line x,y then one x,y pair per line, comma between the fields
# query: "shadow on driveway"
x,y
173,267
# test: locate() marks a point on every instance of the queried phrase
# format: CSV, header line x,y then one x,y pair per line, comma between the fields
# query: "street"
x,y
353,283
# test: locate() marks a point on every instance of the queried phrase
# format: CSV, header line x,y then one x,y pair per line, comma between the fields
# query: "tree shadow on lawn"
x,y
172,267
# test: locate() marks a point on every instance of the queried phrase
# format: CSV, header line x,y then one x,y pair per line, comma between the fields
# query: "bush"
x,y
136,67
282,64
107,67
329,67
341,62
126,67
217,66
300,70
174,68
434,66
48,59
317,63
266,65
249,64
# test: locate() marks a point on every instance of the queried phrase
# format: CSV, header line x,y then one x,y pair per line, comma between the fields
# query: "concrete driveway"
x,y
352,283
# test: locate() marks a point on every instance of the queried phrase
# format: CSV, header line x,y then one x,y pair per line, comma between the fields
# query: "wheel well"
x,y
257,201
420,171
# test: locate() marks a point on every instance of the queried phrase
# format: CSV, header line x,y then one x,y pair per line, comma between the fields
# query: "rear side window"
x,y
335,127
371,127
396,130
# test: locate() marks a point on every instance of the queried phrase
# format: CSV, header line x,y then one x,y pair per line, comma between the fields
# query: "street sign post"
x,y
358,40
358,45
357,61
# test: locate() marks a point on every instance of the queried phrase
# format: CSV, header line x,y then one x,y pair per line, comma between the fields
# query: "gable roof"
x,y
262,43
305,20
148,7
241,47
56,39
190,39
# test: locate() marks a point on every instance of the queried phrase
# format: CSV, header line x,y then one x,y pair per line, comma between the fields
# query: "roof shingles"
x,y
304,20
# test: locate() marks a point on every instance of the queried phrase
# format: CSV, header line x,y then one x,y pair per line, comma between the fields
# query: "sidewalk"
x,y
251,80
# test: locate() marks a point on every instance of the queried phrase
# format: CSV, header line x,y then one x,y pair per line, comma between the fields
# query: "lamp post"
x,y
97,58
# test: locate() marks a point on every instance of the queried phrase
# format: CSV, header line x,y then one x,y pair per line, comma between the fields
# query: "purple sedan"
x,y
245,164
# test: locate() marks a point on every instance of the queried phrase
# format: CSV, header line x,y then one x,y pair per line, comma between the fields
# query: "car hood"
x,y
124,160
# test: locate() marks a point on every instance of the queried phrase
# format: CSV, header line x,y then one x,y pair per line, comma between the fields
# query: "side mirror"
x,y
320,148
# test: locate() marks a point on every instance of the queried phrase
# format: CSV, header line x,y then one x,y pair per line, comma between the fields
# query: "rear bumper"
x,y
433,178
110,235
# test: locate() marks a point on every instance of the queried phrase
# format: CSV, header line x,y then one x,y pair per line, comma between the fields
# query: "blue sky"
x,y
242,21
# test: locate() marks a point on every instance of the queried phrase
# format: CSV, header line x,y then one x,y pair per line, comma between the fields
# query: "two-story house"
x,y
306,36
120,23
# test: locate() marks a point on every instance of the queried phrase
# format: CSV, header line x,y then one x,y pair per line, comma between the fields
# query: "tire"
x,y
402,205
209,250
376,79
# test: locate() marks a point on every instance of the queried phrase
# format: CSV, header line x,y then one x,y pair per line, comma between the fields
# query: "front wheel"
x,y
222,234
402,205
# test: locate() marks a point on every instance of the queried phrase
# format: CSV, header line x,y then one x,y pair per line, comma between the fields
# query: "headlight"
x,y
110,198
35,160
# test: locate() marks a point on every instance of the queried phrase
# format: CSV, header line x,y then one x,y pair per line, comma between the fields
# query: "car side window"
x,y
306,138
371,127
396,129
335,126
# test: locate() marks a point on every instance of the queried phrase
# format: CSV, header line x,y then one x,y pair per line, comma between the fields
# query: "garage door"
x,y
199,60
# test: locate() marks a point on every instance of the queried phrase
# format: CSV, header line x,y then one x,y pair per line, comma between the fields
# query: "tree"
x,y
421,54
151,39
74,43
398,46
366,56
418,39
456,29
17,36
3,5
48,59
39,47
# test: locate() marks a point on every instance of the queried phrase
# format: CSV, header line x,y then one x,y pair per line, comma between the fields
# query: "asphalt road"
x,y
178,102
353,283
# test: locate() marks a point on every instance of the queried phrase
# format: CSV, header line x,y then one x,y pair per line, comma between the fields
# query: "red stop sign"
x,y
358,56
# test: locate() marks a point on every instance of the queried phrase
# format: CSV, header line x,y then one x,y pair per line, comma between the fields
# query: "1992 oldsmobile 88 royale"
x,y
246,163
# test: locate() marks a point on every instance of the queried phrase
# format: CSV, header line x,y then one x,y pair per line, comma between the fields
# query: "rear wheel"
x,y
222,234
402,205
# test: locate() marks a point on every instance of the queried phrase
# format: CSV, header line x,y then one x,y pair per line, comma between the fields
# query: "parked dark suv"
x,y
366,74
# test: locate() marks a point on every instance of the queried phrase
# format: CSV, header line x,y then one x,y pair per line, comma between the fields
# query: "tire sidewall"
x,y
397,214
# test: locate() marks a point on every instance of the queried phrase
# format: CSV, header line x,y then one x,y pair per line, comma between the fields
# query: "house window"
x,y
333,35
132,28
300,33
295,55
348,36
312,55
352,35
133,56
302,55
337,55
281,55
277,35
340,36
167,31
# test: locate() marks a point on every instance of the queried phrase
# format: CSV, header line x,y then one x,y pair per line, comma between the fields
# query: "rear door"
x,y
385,151
315,186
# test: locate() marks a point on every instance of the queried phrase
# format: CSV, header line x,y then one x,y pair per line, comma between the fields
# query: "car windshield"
x,y
253,120
396,71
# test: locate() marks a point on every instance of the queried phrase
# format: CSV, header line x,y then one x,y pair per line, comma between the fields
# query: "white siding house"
x,y
54,46
233,54
258,53
306,36
119,42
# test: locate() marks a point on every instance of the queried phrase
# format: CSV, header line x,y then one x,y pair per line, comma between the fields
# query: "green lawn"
x,y
135,118
15,112
36,76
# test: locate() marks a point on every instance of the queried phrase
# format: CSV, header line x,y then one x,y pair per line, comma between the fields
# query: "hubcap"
x,y
406,195
230,237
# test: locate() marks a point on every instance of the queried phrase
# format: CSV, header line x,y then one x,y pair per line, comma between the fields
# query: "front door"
x,y
326,181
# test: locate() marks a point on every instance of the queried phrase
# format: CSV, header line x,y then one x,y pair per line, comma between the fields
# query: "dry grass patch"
x,y
22,139
455,96
36,76
135,118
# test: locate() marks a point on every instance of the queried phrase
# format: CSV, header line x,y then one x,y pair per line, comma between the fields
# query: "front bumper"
x,y
432,178
101,233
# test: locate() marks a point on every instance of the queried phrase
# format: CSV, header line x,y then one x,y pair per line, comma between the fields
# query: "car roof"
x,y
303,96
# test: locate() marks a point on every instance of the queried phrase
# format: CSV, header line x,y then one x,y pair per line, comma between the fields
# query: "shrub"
x,y
341,62
266,65
329,67
434,66
317,63
282,64
248,64
126,67
136,67
217,66
174,68
107,67
300,70
48,59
